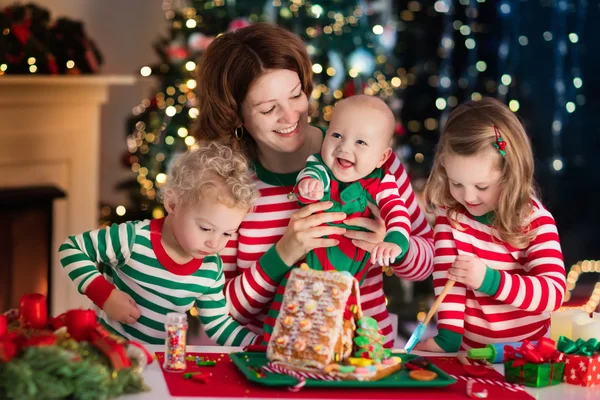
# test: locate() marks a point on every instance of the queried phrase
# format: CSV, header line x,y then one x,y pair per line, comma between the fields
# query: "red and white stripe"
x,y
532,281
277,368
513,387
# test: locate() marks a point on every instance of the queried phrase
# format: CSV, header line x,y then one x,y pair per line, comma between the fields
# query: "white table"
x,y
154,378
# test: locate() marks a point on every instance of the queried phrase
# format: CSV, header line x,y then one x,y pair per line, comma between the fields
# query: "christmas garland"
x,y
68,357
31,43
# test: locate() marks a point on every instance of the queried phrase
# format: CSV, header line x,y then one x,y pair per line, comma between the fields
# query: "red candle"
x,y
80,323
3,325
33,311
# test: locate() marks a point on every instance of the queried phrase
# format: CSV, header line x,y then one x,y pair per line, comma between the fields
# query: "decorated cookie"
x,y
329,311
422,375
292,307
288,321
305,325
335,292
300,344
309,307
318,288
282,341
297,285
359,361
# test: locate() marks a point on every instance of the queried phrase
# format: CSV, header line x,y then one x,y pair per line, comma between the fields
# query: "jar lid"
x,y
176,318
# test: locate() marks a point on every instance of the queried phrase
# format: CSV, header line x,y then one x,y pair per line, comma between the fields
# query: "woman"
x,y
253,90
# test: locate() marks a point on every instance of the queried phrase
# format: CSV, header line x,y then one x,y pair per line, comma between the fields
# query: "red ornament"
x,y
33,311
3,325
80,323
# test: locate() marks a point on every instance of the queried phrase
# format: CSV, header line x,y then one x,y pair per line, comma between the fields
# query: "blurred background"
x,y
422,57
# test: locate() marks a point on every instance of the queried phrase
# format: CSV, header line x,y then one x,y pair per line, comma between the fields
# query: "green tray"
x,y
243,360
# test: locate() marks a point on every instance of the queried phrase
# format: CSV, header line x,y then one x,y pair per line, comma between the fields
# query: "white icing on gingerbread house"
x,y
316,322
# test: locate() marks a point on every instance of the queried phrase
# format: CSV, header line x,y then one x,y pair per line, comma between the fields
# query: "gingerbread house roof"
x,y
315,324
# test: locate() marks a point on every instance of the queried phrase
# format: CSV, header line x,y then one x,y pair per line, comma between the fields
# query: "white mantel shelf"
x,y
57,80
50,88
50,135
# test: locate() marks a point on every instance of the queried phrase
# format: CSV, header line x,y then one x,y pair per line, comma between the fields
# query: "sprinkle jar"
x,y
176,328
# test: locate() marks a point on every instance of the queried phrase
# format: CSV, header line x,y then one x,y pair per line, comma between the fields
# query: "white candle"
x,y
561,323
586,329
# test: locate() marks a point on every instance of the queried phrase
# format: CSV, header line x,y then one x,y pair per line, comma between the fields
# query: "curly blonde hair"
x,y
212,167
469,130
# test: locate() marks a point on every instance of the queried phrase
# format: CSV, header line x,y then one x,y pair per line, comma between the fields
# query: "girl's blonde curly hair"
x,y
211,167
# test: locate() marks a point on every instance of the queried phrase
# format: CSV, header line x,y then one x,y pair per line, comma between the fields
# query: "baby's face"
x,y
356,142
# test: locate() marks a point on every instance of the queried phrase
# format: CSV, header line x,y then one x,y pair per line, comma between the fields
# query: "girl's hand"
x,y
305,233
429,345
468,270
367,240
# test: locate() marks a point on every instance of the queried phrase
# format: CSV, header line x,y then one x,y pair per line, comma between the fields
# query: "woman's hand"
x,y
305,233
367,240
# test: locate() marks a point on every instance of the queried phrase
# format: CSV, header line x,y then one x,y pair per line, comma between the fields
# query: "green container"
x,y
535,375
244,360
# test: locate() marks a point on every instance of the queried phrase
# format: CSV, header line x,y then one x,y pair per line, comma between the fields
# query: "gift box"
x,y
582,361
538,366
536,375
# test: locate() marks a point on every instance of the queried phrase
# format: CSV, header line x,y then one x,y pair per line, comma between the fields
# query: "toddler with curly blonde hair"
x,y
170,264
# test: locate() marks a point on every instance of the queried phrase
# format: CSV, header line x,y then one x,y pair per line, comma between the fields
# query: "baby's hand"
x,y
468,270
385,253
311,189
121,307
429,345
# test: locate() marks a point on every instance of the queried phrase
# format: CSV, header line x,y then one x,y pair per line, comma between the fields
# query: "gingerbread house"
x,y
316,323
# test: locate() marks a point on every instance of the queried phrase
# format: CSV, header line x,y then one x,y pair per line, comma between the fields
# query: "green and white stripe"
x,y
315,168
131,265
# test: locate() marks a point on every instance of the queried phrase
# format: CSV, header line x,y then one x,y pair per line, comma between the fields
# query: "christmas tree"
x,y
350,43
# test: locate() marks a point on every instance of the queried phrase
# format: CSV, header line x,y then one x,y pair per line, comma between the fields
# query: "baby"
x,y
349,172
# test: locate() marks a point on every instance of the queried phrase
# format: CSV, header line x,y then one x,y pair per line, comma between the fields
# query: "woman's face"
x,y
275,111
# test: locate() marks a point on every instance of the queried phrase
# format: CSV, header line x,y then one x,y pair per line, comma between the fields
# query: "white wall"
x,y
124,31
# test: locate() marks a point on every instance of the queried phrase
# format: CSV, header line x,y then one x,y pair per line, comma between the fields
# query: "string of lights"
x,y
576,270
446,52
347,43
470,73
567,81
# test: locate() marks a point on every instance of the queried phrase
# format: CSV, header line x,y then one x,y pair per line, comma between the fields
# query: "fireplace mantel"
x,y
50,135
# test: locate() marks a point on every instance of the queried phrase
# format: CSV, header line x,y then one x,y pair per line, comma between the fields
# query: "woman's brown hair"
x,y
469,130
229,67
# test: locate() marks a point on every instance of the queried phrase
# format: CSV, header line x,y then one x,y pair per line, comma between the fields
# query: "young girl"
x,y
492,235
153,267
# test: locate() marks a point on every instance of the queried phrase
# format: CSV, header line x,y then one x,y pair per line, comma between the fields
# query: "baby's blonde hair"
x,y
469,130
212,167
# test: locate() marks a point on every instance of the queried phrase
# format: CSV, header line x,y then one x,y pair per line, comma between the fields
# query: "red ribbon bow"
x,y
543,352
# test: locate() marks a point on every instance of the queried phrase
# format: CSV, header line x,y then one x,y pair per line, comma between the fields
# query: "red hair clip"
x,y
500,143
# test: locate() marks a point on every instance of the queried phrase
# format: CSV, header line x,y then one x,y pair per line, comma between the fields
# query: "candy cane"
x,y
510,386
300,376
